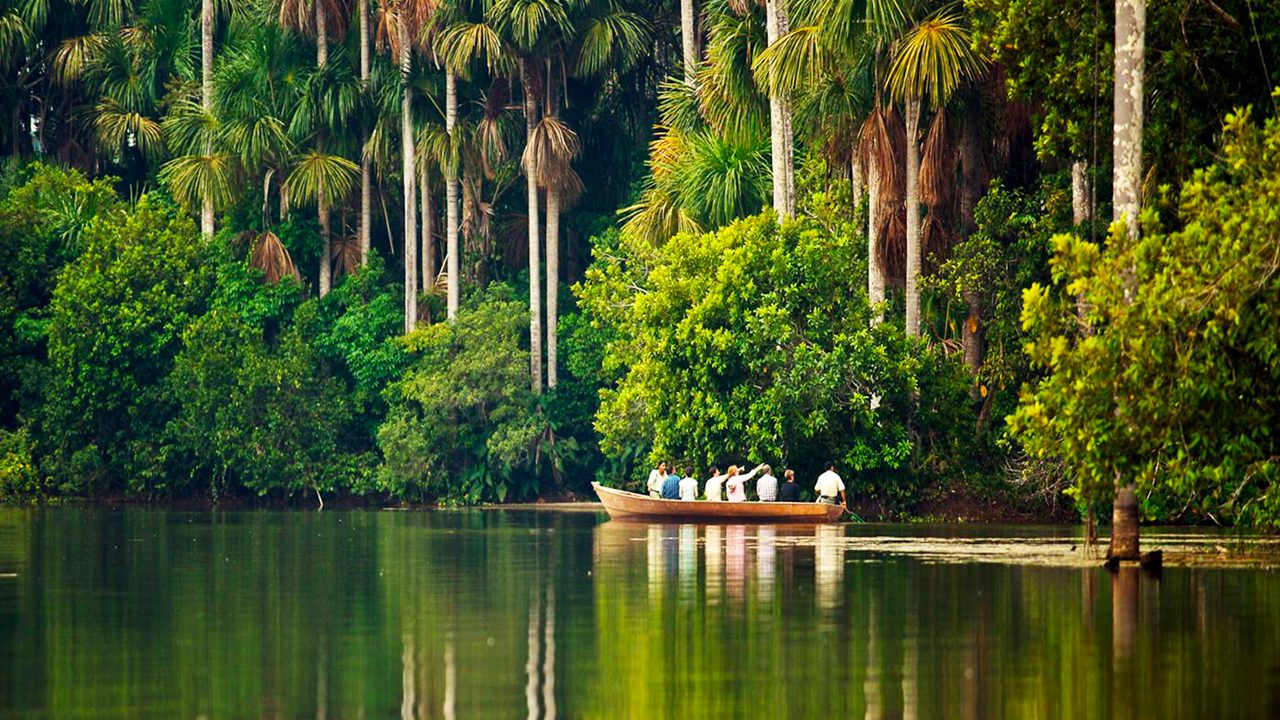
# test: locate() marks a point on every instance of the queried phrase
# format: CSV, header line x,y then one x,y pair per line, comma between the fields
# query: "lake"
x,y
133,613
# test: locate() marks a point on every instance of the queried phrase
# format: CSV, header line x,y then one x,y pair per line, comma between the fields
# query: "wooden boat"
x,y
628,505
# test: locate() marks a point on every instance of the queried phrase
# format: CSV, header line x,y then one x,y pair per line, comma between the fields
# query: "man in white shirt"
x,y
656,477
767,486
689,485
829,486
715,485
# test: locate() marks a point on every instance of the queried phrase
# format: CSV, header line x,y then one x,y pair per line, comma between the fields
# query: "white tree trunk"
x,y
875,273
531,193
452,251
408,171
781,138
1080,210
689,41
322,58
206,103
1126,139
913,216
553,281
366,171
428,223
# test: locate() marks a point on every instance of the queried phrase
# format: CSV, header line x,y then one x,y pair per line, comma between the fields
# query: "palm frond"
x,y
191,178
788,65
611,42
319,175
933,59
118,128
268,254
463,45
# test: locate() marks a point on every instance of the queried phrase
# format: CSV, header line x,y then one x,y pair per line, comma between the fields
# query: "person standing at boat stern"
x,y
671,486
790,491
736,484
715,485
767,486
689,485
829,486
656,477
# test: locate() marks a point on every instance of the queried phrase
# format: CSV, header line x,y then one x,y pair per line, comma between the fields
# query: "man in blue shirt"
x,y
671,486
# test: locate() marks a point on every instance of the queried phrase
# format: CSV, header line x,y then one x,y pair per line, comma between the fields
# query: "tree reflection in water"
x,y
500,614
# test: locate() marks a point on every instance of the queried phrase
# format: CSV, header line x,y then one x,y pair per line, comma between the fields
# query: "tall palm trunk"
x,y
1126,146
971,183
781,139
366,170
428,223
553,248
322,58
452,250
206,103
689,41
409,176
875,273
913,215
531,192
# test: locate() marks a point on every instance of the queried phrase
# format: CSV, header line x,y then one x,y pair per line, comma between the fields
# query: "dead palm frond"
x,y
551,149
892,247
345,251
268,254
937,164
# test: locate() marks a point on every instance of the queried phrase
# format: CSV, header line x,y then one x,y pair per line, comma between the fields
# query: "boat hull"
x,y
628,505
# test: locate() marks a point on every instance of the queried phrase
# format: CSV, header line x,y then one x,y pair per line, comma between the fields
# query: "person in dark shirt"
x,y
790,490
671,486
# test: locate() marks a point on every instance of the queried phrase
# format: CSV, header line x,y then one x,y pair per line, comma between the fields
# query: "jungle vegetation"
x,y
480,250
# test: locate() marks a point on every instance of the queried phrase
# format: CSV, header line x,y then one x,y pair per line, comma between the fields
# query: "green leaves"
x,y
1163,354
932,61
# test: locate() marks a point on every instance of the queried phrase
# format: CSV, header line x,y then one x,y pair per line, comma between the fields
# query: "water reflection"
x,y
828,566
766,557
497,614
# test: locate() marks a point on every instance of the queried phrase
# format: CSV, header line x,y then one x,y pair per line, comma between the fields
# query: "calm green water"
x,y
504,614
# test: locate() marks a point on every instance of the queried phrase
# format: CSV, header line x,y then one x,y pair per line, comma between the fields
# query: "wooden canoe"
x,y
623,504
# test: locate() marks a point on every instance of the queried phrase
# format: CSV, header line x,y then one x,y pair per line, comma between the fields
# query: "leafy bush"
x,y
117,320
462,424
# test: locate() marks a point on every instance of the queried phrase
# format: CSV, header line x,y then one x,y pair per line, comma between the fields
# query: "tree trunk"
x,y
857,181
409,173
971,187
366,170
1126,142
913,216
1126,147
689,41
322,58
531,192
452,251
780,136
875,273
428,229
206,103
1080,201
553,281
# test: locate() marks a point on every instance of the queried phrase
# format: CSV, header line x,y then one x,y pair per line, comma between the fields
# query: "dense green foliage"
x,y
1170,376
753,344
463,424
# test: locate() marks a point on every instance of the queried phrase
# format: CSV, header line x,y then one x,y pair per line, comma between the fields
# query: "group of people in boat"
x,y
667,483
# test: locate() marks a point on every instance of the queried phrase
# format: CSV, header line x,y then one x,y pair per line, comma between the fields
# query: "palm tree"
x,y
932,60
366,172
689,42
318,18
531,28
206,98
452,216
781,138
